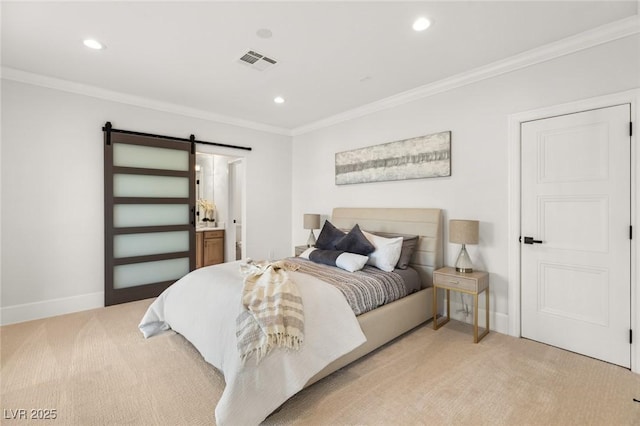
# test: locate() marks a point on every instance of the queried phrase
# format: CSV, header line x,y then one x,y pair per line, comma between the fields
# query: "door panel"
x,y
561,288
563,220
161,157
213,251
126,185
128,245
558,145
136,274
133,215
576,182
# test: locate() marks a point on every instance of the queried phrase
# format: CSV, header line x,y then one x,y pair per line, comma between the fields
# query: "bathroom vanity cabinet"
x,y
209,247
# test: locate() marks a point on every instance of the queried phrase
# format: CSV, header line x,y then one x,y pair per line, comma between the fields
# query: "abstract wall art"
x,y
416,158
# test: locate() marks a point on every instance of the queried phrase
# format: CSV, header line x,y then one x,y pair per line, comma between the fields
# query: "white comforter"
x,y
203,306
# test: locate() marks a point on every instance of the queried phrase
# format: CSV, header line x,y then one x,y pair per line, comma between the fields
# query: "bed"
x,y
390,321
198,307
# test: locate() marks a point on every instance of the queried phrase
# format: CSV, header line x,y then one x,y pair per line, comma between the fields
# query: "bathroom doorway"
x,y
236,205
220,188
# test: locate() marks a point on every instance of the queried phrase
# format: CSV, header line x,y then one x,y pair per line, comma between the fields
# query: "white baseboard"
x,y
498,322
50,308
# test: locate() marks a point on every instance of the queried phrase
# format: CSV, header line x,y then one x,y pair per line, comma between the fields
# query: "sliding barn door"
x,y
149,214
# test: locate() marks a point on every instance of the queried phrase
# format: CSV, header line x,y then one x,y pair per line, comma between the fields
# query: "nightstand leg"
x,y
475,318
435,307
486,302
448,305
435,310
477,337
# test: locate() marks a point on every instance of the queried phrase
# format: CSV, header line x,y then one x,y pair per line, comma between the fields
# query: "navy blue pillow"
x,y
329,236
326,257
355,242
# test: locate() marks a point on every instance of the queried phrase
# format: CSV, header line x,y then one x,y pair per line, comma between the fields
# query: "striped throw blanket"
x,y
272,312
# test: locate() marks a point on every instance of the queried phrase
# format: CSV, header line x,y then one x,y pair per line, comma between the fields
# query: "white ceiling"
x,y
333,56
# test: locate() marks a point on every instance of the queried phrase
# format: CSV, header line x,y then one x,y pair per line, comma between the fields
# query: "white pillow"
x,y
351,261
387,251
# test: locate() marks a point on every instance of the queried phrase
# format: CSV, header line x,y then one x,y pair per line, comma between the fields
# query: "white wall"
x,y
52,193
52,173
477,115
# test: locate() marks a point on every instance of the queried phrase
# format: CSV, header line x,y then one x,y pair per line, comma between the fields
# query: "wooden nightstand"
x,y
472,283
300,250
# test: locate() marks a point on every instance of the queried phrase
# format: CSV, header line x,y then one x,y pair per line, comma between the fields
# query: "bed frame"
x,y
394,319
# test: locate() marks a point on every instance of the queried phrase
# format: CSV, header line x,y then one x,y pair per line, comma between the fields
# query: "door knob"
x,y
530,240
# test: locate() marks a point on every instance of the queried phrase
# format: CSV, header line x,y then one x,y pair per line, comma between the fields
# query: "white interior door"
x,y
576,189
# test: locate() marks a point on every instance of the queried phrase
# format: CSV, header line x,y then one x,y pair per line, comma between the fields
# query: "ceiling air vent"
x,y
257,61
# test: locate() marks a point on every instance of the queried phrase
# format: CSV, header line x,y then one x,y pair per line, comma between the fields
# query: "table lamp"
x,y
311,221
463,232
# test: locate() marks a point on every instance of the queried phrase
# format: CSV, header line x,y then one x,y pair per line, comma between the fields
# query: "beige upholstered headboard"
x,y
426,223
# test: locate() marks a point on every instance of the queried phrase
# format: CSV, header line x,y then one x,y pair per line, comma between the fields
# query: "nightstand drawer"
x,y
456,283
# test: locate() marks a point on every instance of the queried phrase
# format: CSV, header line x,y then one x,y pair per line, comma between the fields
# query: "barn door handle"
x,y
530,240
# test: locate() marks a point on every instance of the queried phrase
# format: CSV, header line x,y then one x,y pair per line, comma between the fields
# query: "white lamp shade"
x,y
311,221
463,231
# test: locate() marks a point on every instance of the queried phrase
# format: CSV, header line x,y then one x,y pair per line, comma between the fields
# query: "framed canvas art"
x,y
416,158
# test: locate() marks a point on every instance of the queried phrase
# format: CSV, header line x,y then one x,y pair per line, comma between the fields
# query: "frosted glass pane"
x,y
149,272
150,186
129,245
149,157
126,215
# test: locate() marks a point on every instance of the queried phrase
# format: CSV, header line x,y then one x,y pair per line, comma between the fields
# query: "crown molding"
x,y
138,101
594,37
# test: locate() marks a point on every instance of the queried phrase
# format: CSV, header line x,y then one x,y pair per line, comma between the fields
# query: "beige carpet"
x,y
95,368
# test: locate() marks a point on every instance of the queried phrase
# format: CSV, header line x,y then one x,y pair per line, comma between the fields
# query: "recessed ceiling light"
x,y
278,99
421,24
93,44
